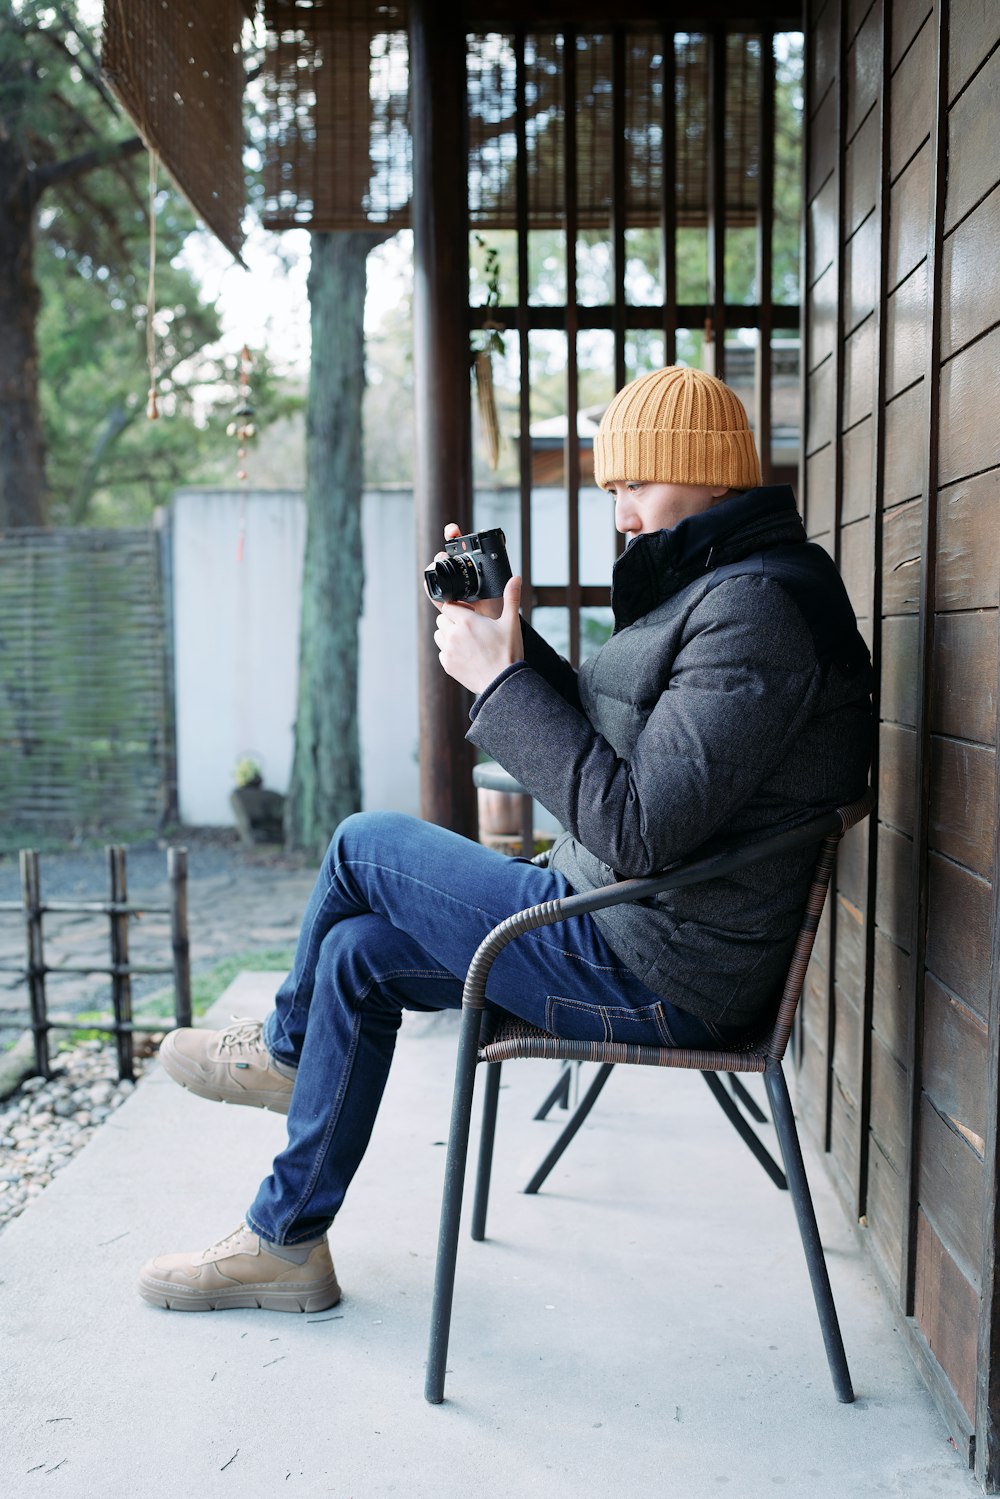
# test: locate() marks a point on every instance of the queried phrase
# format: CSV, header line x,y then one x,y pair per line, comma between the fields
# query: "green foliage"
x,y
107,463
206,988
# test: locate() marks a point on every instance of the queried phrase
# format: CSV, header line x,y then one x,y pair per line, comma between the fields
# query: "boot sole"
x,y
302,1299
174,1067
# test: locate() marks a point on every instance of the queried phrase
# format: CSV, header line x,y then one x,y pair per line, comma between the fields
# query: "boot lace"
x,y
241,1036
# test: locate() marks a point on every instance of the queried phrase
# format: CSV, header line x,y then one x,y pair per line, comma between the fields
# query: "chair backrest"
x,y
795,978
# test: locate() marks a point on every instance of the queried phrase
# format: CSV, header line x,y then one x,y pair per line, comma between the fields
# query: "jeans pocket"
x,y
581,1020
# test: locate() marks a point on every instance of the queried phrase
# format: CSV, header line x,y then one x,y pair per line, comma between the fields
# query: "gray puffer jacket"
x,y
732,697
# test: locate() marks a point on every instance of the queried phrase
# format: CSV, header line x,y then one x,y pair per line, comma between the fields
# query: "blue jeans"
x,y
399,907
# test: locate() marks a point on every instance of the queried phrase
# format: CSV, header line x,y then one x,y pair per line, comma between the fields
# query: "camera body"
x,y
476,567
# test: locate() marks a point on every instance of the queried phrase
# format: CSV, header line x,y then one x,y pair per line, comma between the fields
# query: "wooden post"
x,y
179,942
441,377
121,978
31,895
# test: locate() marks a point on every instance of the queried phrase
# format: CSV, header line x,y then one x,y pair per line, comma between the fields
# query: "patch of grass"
x,y
205,990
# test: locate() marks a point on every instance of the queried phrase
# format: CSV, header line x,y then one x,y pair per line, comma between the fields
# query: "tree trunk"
x,y
326,770
22,461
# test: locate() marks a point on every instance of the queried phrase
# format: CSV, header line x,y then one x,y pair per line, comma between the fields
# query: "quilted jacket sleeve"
x,y
737,691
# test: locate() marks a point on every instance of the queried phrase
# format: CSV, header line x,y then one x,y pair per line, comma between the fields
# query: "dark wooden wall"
x,y
901,482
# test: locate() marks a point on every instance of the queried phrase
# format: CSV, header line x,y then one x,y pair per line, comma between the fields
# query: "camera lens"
x,y
452,581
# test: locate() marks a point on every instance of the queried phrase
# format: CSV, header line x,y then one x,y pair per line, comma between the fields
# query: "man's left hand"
x,y
474,649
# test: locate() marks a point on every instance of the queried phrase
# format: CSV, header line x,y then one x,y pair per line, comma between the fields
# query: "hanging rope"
x,y
151,408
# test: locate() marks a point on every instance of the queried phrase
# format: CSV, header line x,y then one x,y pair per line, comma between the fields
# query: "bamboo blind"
x,y
83,693
492,140
337,142
177,70
338,151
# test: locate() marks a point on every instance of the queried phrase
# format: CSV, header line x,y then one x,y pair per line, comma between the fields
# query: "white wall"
x,y
236,626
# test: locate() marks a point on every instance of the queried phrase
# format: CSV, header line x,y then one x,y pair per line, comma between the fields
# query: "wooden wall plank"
x,y
884,1210
852,865
811,1075
959,930
861,169
912,87
899,670
963,810
864,69
893,995
893,897
906,337
823,142
904,469
822,230
970,300
897,767
973,132
901,543
969,445
951,1190
973,33
856,564
860,266
967,572
819,507
822,332
890,1122
822,407
947,1309
907,18
956,1057
909,205
823,54
963,666
859,373
856,466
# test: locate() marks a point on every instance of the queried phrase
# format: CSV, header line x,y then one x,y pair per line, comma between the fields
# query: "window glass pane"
x,y
547,267
786,407
643,268
787,165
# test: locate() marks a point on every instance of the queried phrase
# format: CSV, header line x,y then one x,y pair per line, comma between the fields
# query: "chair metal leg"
x,y
746,1098
743,1129
486,1137
582,1110
559,1094
791,1151
451,1203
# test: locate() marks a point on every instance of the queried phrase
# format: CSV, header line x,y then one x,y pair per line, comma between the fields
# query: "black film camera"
x,y
476,567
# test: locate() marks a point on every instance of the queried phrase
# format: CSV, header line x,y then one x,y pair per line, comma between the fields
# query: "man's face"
x,y
656,507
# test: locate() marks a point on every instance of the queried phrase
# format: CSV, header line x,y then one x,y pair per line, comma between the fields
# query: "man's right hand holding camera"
x,y
476,642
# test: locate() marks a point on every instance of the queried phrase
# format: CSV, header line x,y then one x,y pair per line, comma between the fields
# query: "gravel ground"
x,y
239,899
47,1122
82,873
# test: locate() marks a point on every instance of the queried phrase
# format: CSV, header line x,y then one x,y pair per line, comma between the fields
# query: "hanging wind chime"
x,y
482,358
242,427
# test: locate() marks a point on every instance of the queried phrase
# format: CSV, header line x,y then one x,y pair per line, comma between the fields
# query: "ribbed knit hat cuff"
x,y
653,456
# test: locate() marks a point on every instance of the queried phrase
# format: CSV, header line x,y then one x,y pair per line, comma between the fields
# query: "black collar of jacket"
x,y
659,563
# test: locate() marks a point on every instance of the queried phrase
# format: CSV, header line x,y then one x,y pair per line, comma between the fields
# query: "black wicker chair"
x,y
494,1037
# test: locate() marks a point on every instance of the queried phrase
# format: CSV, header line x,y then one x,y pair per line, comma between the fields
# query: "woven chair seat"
x,y
507,1037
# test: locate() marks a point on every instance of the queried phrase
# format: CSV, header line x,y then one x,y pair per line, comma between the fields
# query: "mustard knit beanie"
x,y
676,426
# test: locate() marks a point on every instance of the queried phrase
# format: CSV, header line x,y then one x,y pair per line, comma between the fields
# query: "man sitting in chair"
x,y
733,696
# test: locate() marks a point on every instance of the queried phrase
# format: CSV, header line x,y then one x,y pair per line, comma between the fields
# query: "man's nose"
x,y
624,512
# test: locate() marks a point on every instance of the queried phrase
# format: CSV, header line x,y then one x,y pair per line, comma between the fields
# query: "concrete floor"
x,y
643,1327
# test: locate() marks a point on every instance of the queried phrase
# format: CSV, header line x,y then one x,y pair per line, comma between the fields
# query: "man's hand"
x,y
474,648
